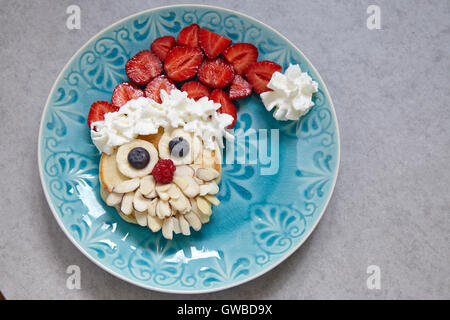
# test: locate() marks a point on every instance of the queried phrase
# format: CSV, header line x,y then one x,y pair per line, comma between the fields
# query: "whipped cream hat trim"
x,y
144,116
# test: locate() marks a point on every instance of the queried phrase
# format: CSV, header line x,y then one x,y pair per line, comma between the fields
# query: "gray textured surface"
x,y
391,205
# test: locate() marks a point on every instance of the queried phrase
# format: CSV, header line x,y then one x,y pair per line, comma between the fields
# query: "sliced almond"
x,y
114,199
151,195
209,188
140,203
212,199
174,192
182,182
204,206
163,209
192,189
207,174
203,218
181,204
127,203
184,225
154,223
184,171
147,185
141,218
199,181
127,186
152,207
176,225
167,229
193,220
194,205
162,191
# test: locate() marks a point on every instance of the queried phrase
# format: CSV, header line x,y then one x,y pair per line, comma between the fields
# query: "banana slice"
x,y
194,143
122,158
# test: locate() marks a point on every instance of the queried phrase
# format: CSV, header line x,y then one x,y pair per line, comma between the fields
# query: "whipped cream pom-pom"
x,y
291,94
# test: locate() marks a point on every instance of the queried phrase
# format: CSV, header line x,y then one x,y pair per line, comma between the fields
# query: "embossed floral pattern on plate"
x,y
262,219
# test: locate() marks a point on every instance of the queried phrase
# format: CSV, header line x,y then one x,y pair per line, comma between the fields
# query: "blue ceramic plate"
x,y
262,218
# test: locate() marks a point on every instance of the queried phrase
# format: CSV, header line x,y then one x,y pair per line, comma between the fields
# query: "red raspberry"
x,y
163,171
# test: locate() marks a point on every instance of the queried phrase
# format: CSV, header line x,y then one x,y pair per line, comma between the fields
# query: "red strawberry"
x,y
182,63
212,43
188,36
154,87
260,73
241,56
220,96
124,92
195,90
162,46
240,88
216,73
98,111
143,67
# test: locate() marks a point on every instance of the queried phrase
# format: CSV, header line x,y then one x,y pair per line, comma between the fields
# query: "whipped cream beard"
x,y
292,94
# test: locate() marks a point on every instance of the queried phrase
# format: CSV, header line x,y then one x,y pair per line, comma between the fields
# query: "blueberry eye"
x,y
178,147
138,158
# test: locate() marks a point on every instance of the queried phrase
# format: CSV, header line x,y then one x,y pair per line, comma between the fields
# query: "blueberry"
x,y
178,147
138,158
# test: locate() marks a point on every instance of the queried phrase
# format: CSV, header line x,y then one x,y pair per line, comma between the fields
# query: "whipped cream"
x,y
144,116
291,95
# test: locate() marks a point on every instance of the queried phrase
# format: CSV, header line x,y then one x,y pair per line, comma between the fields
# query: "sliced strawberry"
x,y
195,90
240,88
98,111
124,92
220,96
188,36
216,73
241,56
182,63
212,43
162,46
260,73
143,67
154,87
